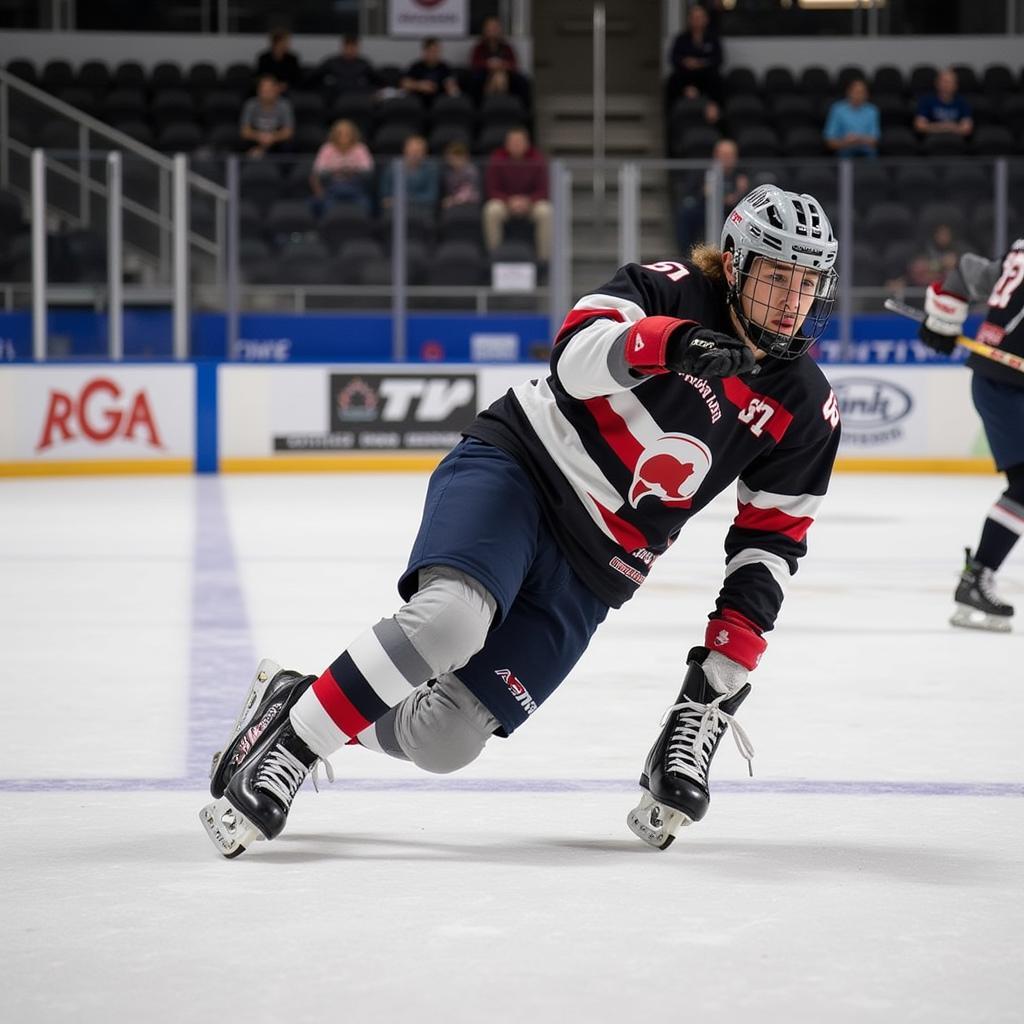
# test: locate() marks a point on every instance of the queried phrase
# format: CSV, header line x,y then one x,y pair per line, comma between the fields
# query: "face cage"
x,y
785,346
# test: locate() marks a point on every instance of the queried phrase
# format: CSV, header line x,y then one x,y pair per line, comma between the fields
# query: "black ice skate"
x,y
675,778
977,604
257,774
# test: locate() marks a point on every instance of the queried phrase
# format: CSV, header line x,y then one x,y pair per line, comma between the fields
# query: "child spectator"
x,y
267,121
461,180
342,170
853,125
517,186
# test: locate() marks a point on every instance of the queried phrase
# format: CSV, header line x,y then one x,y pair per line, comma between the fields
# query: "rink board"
x,y
385,417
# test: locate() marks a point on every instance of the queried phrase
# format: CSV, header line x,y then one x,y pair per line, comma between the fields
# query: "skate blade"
x,y
229,830
656,823
971,618
265,672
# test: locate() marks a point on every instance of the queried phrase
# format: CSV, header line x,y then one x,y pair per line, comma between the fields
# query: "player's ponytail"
x,y
708,260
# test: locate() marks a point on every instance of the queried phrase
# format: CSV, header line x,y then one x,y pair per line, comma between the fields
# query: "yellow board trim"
x,y
356,462
96,467
924,464
420,462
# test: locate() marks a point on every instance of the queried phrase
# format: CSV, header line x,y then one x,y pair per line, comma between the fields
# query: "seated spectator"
x,y
268,121
279,62
696,59
422,178
461,179
853,125
517,186
692,216
342,170
944,110
430,76
941,250
347,72
494,64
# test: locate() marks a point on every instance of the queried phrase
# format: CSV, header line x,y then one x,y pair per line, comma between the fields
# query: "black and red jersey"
x,y
1003,327
621,463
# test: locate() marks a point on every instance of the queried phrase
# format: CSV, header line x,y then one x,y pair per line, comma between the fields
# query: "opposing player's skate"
x,y
977,604
256,776
674,783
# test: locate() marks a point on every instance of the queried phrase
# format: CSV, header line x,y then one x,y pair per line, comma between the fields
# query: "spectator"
x,y
422,179
430,76
461,180
268,121
853,125
945,110
692,215
347,72
279,62
494,64
942,251
695,59
517,186
342,170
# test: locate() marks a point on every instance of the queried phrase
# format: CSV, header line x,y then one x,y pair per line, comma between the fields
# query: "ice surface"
x,y
873,870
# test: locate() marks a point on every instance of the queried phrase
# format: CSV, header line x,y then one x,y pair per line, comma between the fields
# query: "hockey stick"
x,y
977,347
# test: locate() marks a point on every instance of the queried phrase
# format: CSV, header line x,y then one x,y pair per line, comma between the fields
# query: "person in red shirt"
x,y
494,64
517,186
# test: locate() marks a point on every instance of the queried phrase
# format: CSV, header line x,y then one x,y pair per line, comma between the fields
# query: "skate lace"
x,y
693,738
281,774
986,583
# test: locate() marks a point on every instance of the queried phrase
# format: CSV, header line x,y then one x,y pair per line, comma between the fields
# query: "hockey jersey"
x,y
622,462
999,282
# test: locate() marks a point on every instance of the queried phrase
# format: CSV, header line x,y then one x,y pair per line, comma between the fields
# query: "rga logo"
x,y
101,412
871,409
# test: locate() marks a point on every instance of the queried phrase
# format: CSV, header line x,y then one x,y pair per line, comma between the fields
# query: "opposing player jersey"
x,y
1001,284
621,463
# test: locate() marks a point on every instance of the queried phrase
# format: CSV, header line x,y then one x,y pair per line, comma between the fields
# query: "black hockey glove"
x,y
947,312
703,352
941,343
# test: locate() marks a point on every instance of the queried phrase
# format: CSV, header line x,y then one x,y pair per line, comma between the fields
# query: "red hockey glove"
x,y
946,315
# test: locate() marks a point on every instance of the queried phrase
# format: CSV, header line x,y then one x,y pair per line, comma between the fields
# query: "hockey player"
x,y
667,384
998,393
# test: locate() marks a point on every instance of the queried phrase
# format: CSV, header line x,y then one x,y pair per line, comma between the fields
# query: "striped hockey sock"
x,y
379,670
1005,523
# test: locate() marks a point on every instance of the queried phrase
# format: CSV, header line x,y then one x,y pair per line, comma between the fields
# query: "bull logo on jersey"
x,y
671,470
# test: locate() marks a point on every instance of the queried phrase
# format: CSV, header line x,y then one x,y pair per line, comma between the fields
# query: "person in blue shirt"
x,y
852,127
945,110
422,178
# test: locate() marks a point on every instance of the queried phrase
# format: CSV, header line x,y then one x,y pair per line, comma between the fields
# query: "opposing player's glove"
x,y
664,344
945,322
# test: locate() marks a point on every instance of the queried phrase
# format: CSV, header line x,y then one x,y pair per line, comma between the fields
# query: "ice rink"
x,y
872,870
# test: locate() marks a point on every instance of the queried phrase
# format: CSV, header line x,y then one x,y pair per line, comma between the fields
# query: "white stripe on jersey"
x,y
775,564
564,447
583,366
796,505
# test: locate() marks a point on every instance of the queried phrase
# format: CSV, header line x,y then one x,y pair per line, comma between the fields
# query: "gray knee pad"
x,y
447,619
443,727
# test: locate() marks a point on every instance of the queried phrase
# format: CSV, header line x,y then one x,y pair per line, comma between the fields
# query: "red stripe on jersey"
x,y
741,396
615,431
626,535
578,316
773,520
340,709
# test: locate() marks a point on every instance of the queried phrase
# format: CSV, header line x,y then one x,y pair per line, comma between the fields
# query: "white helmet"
x,y
791,230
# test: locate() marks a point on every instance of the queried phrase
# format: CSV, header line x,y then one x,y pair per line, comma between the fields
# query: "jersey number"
x,y
1013,274
675,271
757,414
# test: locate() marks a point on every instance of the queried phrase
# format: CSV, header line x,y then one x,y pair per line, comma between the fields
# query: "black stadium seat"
x,y
445,134
922,79
456,110
934,214
779,79
897,141
847,74
886,221
967,78
816,81
389,138
57,75
172,105
758,141
179,137
357,108
992,140
95,76
23,69
353,257
457,263
260,182
124,105
166,75
461,224
745,109
802,142
696,143
998,79
346,223
794,110
202,78
128,75
943,145
305,261
967,183
888,79
740,80
918,181
221,106
289,217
